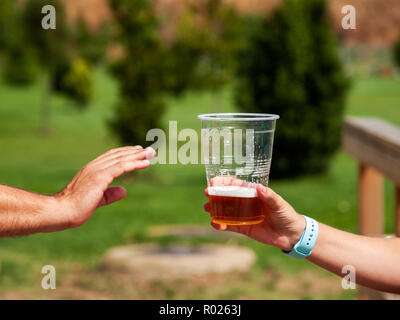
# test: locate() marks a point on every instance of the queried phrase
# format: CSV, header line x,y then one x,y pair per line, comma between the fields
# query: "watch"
x,y
304,246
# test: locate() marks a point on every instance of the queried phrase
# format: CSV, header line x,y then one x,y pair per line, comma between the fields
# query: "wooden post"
x,y
376,146
370,201
370,204
397,208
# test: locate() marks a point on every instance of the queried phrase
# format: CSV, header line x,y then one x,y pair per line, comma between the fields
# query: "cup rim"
x,y
242,116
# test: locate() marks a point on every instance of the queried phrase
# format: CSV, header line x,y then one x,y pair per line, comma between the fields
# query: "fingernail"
x,y
150,153
261,188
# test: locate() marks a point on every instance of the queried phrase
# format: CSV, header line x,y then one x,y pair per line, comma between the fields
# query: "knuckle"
x,y
100,177
139,154
121,165
111,151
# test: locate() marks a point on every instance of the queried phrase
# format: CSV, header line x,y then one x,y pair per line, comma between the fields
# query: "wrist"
x,y
305,245
55,215
295,231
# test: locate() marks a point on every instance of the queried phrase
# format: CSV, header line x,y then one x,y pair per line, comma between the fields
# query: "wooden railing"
x,y
376,146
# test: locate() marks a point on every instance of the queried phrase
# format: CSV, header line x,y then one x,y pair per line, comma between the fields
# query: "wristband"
x,y
304,246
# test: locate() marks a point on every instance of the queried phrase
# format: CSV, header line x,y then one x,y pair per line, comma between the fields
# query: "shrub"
x,y
202,55
9,23
199,58
140,72
20,65
291,67
396,52
51,46
77,83
92,46
63,71
19,61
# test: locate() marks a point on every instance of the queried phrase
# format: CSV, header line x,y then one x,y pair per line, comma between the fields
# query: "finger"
x,y
218,226
223,227
216,181
220,181
150,153
111,195
113,152
118,154
239,182
245,230
227,181
207,207
147,153
206,192
118,169
270,197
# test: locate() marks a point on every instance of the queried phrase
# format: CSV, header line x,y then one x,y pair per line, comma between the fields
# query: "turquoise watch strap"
x,y
304,246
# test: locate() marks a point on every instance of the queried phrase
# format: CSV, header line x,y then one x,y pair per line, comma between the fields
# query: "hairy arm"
x,y
23,212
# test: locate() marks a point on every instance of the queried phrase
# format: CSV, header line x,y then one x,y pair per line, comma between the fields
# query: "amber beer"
x,y
235,205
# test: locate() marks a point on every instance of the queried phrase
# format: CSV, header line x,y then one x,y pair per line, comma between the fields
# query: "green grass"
x,y
163,194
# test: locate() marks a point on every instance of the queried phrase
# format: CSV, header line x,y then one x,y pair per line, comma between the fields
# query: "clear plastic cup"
x,y
237,152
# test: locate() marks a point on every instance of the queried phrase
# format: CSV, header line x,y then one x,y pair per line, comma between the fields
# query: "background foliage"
x,y
291,67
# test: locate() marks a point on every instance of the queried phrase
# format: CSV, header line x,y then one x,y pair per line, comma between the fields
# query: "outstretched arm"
x,y
24,212
376,260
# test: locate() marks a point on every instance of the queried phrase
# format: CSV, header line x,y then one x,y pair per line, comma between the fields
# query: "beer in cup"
x,y
237,152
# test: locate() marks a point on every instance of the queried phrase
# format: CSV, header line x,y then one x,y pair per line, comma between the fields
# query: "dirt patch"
x,y
177,261
86,283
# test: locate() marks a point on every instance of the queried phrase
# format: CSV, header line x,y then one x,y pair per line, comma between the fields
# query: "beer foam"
x,y
232,191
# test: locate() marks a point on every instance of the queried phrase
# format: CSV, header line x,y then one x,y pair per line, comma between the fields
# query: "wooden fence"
x,y
376,146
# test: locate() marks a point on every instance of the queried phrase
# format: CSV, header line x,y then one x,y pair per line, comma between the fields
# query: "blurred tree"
x,y
202,56
291,67
50,46
19,62
199,58
63,71
92,46
77,82
9,23
396,52
140,72
72,78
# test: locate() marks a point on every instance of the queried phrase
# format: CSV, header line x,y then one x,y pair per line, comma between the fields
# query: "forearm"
x,y
376,260
23,212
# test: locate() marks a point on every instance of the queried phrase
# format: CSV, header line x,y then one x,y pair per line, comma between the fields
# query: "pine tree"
x,y
50,47
396,52
19,61
140,72
291,67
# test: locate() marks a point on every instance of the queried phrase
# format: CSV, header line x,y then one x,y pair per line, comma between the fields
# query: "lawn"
x,y
163,194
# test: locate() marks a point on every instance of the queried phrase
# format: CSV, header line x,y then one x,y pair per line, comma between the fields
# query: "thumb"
x,y
111,195
273,200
